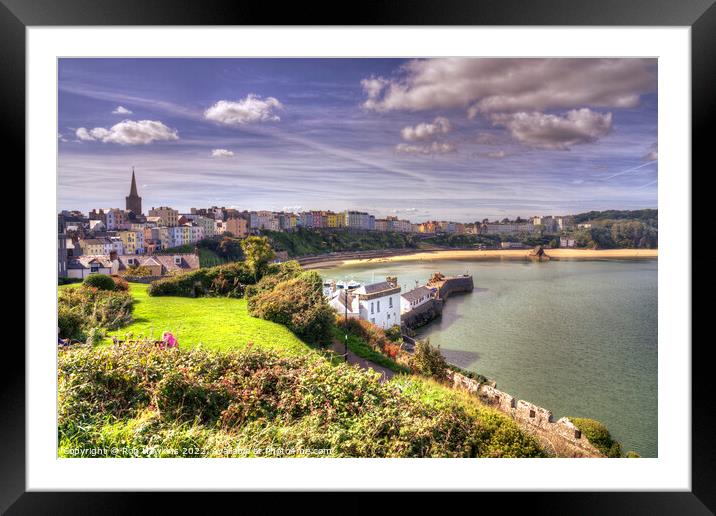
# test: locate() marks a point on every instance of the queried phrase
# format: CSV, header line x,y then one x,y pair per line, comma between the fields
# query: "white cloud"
x,y
121,110
61,138
545,131
427,131
653,154
129,132
292,209
221,153
249,110
511,85
432,148
499,154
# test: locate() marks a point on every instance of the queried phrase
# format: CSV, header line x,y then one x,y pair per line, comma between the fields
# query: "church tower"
x,y
134,202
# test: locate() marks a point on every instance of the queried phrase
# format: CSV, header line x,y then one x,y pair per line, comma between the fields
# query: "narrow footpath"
x,y
385,373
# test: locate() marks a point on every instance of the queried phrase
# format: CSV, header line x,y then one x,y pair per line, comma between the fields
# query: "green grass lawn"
x,y
217,323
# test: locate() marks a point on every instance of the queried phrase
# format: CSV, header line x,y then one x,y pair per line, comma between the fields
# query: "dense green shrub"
x,y
227,280
61,280
104,309
120,397
429,361
100,281
597,434
275,274
299,305
69,323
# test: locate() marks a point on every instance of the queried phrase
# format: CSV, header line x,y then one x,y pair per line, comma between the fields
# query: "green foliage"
x,y
69,322
597,434
302,241
83,309
427,360
202,404
649,216
100,281
258,253
360,347
632,455
227,280
67,281
298,304
275,274
394,334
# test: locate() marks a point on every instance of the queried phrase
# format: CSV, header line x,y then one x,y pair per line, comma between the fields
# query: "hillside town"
x,y
129,232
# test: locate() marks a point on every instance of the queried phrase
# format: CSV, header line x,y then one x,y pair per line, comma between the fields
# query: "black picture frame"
x,y
700,15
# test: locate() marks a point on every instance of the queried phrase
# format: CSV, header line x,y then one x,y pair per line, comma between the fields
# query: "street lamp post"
x,y
345,323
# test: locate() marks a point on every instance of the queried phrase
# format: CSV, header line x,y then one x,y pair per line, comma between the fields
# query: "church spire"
x,y
133,190
134,202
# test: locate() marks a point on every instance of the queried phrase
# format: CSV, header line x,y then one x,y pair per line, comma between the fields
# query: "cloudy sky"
x,y
459,139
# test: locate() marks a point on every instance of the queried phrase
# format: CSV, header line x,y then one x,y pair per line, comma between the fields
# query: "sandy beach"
x,y
499,254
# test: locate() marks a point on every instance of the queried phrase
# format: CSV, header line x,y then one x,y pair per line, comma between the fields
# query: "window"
x,y
532,413
577,434
390,302
372,321
177,260
377,307
94,268
371,309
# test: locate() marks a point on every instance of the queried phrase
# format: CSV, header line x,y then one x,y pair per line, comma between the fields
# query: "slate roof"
x,y
417,293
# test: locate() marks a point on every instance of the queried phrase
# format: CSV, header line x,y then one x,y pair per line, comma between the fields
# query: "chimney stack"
x,y
392,280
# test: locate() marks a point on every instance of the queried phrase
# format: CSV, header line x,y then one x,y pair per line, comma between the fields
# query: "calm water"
x,y
576,337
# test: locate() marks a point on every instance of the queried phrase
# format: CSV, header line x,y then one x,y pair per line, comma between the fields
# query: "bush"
x,y
135,395
275,274
597,434
120,283
100,281
95,308
69,322
61,280
428,361
298,304
227,280
394,334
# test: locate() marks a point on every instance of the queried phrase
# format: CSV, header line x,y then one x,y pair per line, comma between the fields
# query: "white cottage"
x,y
415,298
379,303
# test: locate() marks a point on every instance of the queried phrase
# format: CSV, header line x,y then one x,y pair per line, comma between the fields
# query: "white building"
x,y
415,298
379,303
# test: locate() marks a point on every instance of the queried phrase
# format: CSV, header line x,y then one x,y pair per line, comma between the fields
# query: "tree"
x,y
258,253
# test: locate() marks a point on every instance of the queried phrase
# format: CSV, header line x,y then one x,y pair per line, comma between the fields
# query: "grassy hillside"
x,y
218,322
138,400
316,241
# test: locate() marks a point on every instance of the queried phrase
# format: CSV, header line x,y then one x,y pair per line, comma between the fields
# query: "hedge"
x,y
227,280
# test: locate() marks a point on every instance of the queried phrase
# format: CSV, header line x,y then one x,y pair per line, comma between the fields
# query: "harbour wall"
x,y
561,438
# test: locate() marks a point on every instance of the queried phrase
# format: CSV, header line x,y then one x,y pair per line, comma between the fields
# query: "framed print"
x,y
422,252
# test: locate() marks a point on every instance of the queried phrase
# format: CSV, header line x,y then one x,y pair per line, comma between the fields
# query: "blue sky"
x,y
458,139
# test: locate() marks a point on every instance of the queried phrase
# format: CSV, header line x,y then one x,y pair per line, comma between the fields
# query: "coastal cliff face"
x,y
562,438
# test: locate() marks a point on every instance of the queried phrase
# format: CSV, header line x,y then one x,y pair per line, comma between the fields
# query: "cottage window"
x,y
371,308
577,434
377,308
532,413
390,302
94,268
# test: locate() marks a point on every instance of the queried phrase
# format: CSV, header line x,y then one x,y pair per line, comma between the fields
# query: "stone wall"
x,y
562,438
422,314
453,285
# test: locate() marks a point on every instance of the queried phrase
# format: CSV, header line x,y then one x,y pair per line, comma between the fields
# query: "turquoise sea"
x,y
576,337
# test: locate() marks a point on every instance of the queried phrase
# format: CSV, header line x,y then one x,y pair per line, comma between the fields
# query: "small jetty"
x,y
430,306
448,285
